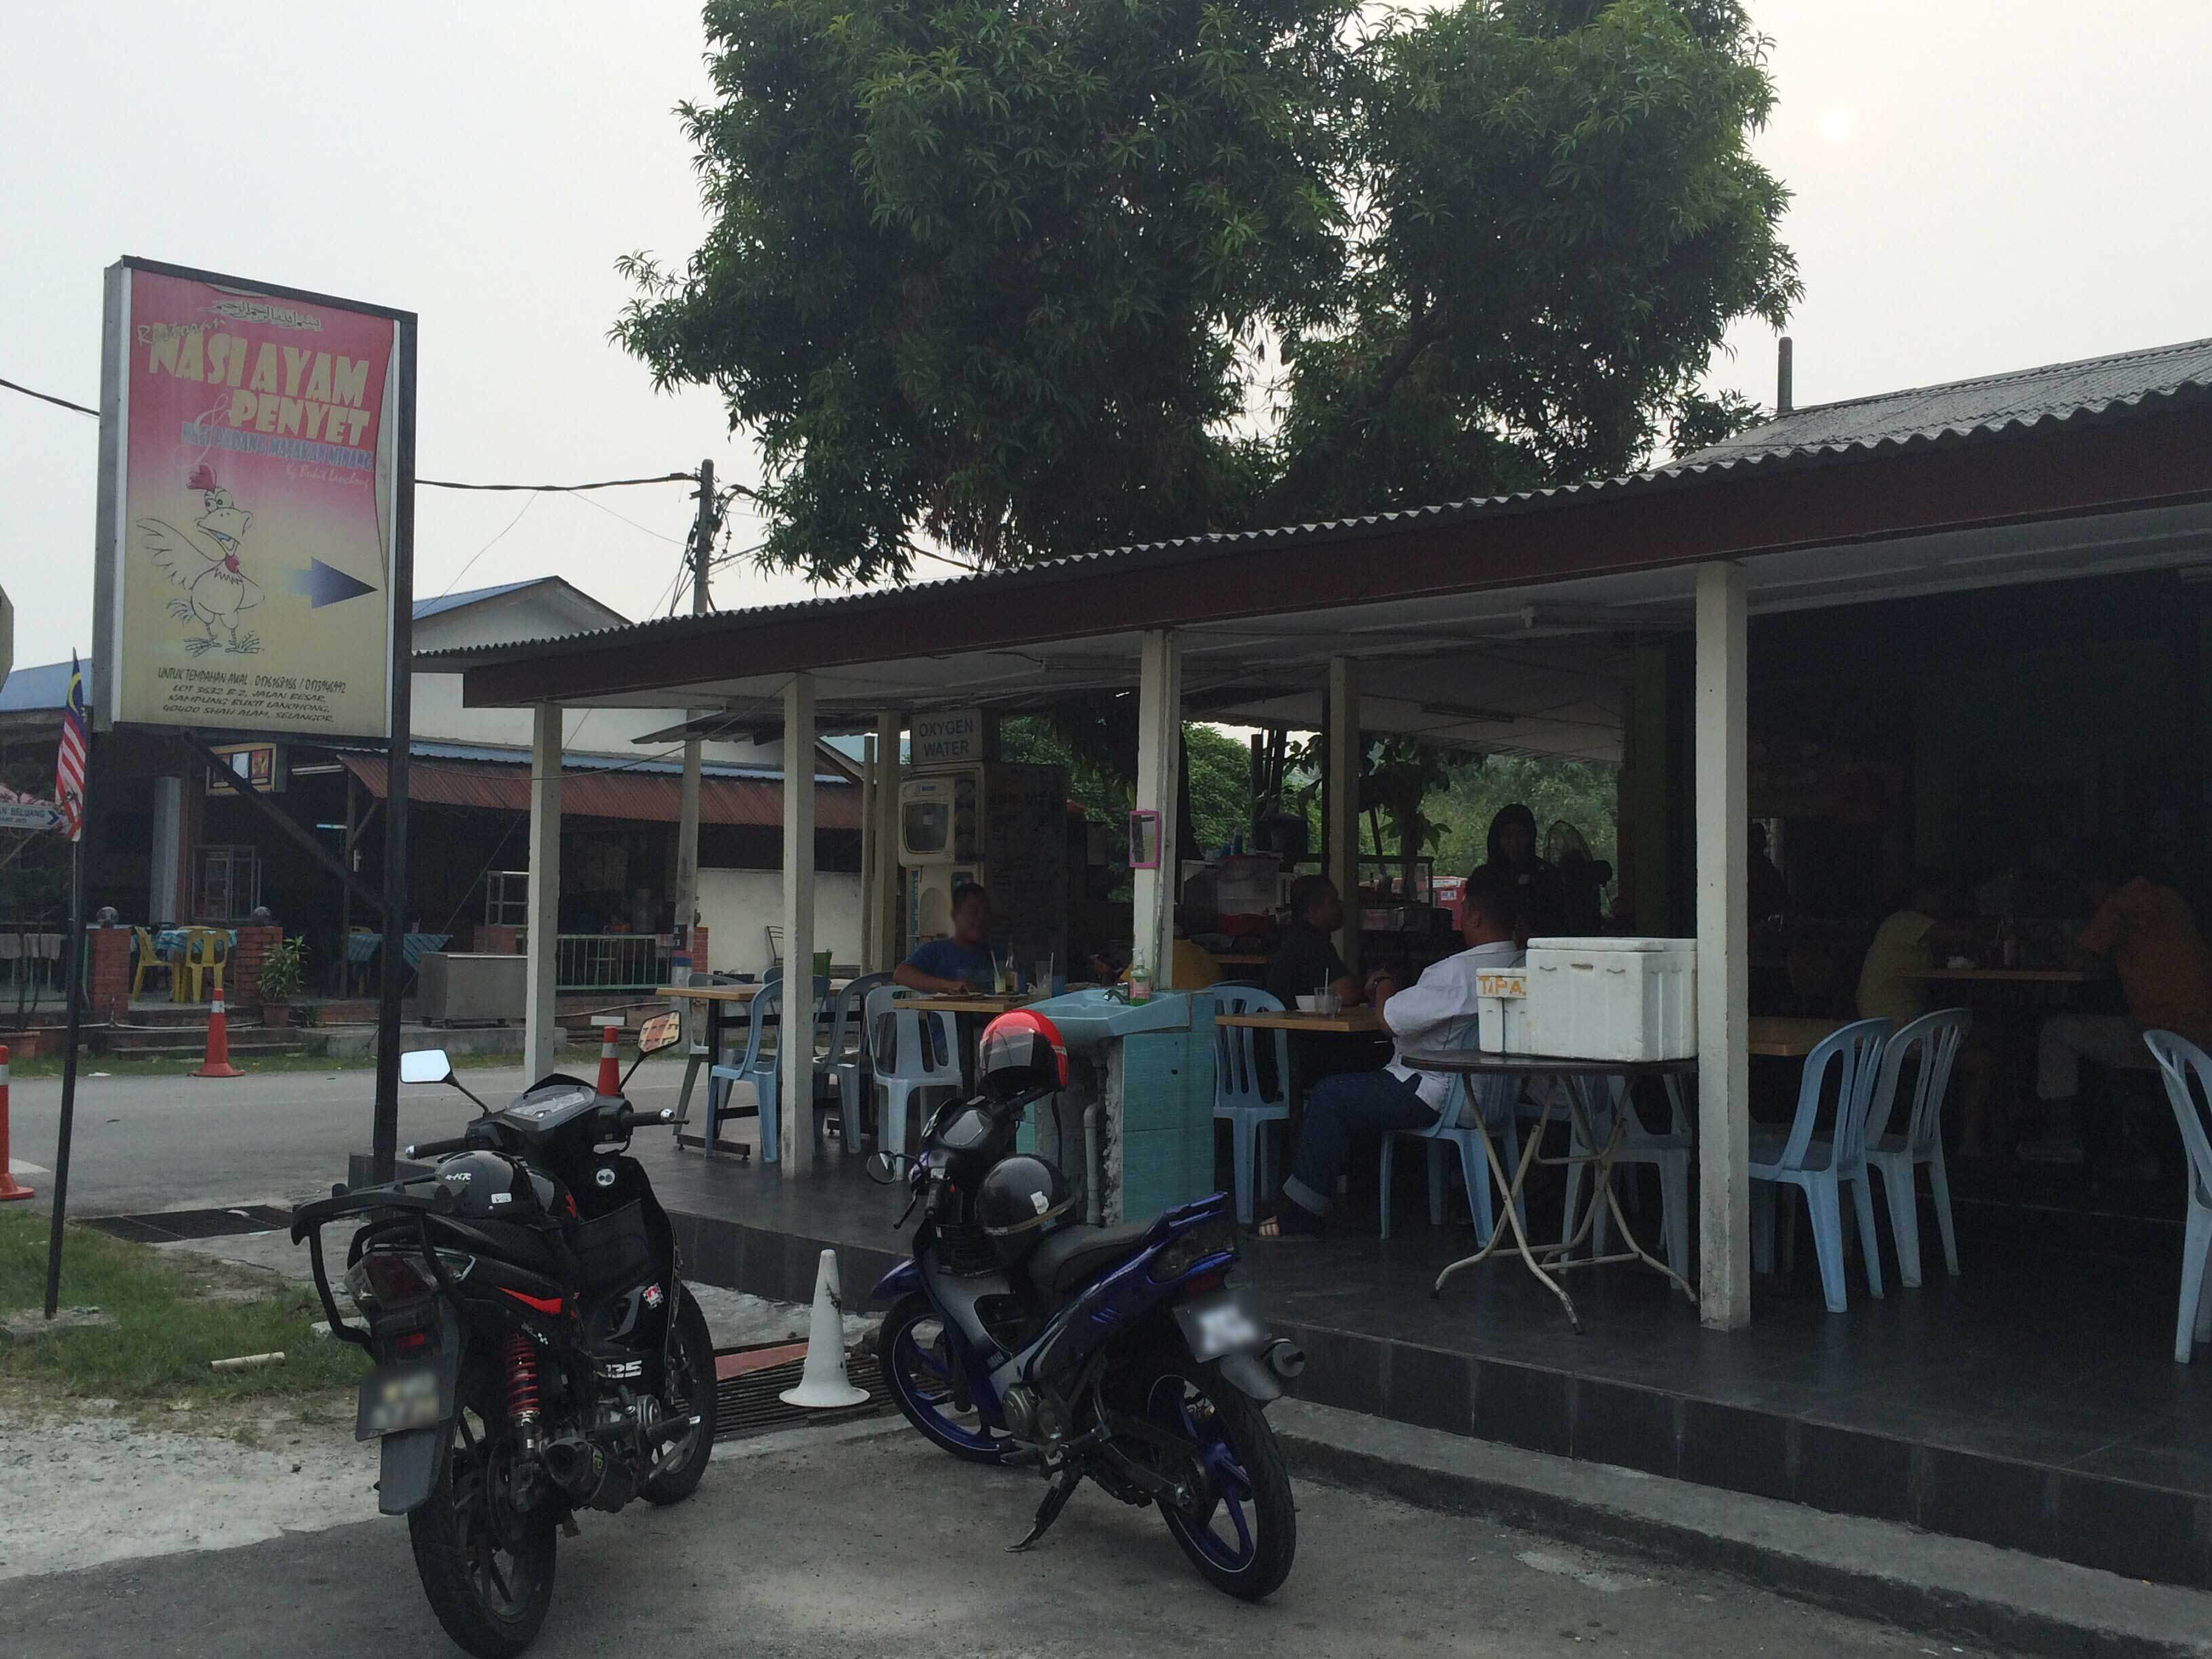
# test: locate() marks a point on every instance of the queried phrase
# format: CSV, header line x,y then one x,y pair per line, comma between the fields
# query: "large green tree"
x,y
1026,277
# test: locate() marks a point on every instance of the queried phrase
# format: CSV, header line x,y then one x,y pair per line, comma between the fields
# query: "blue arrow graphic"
x,y
325,585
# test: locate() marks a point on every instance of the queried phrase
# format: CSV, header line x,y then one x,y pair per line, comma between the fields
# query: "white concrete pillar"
x,y
869,832
168,851
797,1041
541,1036
1340,799
1160,760
889,772
1724,952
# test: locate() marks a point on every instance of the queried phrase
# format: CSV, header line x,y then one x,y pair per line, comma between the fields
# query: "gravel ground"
x,y
80,1484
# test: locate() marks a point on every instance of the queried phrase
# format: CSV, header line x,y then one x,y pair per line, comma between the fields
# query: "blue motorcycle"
x,y
1123,1355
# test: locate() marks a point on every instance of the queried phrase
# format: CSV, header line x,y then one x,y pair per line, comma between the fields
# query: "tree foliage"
x,y
1009,277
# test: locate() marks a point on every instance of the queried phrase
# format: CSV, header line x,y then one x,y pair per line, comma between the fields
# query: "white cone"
x,y
823,1385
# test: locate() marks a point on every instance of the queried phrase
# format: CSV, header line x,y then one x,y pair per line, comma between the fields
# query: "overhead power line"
x,y
428,483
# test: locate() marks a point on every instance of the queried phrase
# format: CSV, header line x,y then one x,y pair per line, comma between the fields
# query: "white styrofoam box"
x,y
1501,1013
1615,999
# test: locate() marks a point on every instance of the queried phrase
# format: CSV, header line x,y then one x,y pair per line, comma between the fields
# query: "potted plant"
x,y
282,972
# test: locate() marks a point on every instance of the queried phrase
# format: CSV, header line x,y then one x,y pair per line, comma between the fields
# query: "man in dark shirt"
x,y
1306,961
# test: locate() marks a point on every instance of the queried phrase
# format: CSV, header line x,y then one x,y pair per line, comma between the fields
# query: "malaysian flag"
x,y
69,765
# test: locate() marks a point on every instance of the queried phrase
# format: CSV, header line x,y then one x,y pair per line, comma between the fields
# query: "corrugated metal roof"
x,y
445,602
1989,402
647,798
2108,388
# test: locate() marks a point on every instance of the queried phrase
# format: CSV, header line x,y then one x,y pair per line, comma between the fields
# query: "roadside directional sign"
x,y
30,815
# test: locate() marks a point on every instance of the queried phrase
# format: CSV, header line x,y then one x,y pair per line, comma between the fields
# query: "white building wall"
x,y
739,907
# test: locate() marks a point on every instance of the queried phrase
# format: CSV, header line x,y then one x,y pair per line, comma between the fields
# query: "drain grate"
x,y
168,1227
746,1404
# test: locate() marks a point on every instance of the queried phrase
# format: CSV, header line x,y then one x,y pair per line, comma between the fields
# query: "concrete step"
x,y
1952,1587
154,1043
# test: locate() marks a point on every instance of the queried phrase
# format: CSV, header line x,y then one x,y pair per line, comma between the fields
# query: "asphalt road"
x,y
848,1549
144,1144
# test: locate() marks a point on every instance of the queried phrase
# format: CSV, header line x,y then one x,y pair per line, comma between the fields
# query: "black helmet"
x,y
1022,1056
490,1187
1022,1198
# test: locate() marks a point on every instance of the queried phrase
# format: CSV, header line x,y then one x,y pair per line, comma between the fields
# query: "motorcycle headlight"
x,y
1179,1255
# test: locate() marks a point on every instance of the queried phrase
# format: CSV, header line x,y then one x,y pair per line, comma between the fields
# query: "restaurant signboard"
x,y
946,739
252,445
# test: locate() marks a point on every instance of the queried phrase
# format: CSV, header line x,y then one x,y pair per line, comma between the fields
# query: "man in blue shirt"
x,y
962,962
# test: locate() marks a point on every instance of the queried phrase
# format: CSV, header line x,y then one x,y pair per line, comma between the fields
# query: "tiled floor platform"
x,y
2033,1402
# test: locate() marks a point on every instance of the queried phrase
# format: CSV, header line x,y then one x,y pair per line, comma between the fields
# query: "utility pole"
x,y
703,531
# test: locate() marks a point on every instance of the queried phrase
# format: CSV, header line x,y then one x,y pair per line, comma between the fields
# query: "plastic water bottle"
x,y
1140,984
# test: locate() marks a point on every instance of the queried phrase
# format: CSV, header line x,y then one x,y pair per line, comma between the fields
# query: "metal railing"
x,y
611,962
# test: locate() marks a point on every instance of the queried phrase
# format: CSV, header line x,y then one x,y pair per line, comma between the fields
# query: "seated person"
x,y
1924,932
963,962
2149,936
1436,1012
1538,899
1306,960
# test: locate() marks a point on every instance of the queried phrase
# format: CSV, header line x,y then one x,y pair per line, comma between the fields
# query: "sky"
x,y
1980,186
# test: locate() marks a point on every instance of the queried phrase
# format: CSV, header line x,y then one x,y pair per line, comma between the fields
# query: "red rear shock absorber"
x,y
521,1359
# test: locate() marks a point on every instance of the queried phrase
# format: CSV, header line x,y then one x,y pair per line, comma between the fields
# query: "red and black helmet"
x,y
1022,1056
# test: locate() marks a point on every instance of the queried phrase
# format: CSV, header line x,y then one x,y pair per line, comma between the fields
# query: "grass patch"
x,y
166,1330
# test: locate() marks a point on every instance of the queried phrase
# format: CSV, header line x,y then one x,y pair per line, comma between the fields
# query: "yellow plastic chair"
x,y
206,949
149,963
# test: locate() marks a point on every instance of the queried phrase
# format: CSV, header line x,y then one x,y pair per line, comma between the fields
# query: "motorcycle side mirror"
x,y
664,1032
884,1168
425,1065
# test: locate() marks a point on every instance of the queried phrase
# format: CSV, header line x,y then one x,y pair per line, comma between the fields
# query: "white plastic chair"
x,y
913,1054
1237,1099
846,1057
1668,1153
2178,1060
1819,1165
1472,1103
1934,1039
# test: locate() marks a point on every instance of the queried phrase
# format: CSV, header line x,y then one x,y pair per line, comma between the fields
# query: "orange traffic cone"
x,y
217,1063
609,1066
9,1186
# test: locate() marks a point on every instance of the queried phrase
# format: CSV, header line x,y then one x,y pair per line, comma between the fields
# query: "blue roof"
x,y
46,686
445,602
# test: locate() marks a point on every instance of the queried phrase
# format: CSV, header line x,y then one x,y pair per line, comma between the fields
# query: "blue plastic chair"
x,y
1668,1153
2178,1060
913,1053
1819,1165
846,1069
1934,1040
1472,1103
1237,1097
762,1066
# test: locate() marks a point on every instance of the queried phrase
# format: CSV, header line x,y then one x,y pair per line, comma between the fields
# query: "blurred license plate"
x,y
1220,1325
398,1398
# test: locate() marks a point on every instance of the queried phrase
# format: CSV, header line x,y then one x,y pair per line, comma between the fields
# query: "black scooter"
x,y
537,1352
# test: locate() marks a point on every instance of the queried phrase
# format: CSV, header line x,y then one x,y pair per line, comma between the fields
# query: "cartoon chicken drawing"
x,y
203,561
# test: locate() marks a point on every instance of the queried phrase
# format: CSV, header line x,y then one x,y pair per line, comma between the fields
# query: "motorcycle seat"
x,y
1067,1258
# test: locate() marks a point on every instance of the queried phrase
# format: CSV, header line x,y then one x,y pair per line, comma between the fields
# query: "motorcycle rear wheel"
x,y
1243,1533
486,1567
679,1465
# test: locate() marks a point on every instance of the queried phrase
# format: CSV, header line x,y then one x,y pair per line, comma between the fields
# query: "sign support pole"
x,y
66,1130
384,1140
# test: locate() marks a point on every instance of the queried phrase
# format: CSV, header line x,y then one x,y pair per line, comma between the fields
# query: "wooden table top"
x,y
964,1003
1240,960
725,993
1776,1036
1352,1022
2001,975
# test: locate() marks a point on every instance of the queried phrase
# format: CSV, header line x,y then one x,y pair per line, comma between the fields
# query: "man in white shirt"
x,y
1438,1012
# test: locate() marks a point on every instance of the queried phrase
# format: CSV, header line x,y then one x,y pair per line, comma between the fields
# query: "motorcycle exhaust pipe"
x,y
587,1474
1286,1358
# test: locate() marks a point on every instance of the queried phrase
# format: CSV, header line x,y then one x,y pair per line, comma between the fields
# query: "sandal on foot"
x,y
1288,1223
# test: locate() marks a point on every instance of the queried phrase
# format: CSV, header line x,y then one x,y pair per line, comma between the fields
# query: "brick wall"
x,y
108,971
241,978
